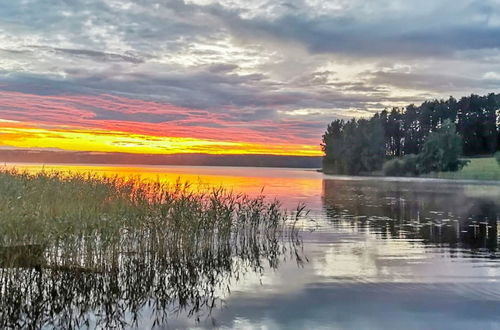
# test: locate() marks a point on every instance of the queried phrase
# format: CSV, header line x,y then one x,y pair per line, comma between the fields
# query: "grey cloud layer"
x,y
313,60
422,28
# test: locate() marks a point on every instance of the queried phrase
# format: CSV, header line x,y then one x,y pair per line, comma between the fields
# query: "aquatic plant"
x,y
85,250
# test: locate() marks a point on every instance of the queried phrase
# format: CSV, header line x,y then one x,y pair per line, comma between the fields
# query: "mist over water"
x,y
375,253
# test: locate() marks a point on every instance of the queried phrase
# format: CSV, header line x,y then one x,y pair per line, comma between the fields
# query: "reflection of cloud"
x,y
372,260
365,306
361,282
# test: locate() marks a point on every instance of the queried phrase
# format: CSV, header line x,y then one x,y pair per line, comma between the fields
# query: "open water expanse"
x,y
376,253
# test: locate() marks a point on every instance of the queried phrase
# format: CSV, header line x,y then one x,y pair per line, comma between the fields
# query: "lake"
x,y
375,253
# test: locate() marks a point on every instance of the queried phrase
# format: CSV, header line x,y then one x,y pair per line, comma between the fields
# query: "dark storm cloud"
x,y
391,38
419,28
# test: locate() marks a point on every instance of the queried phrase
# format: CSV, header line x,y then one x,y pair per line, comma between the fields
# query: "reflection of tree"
x,y
437,213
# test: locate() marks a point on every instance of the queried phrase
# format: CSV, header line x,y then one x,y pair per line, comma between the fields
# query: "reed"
x,y
81,247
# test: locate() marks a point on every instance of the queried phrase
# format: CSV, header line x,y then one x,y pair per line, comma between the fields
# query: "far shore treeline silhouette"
x,y
417,139
74,157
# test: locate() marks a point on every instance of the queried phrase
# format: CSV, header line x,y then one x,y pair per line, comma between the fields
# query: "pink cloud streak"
x,y
111,112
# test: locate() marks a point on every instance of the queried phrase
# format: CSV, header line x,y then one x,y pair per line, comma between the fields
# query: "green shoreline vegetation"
x,y
114,246
483,168
439,139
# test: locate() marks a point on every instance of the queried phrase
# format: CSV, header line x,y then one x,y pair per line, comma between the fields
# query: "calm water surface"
x,y
382,253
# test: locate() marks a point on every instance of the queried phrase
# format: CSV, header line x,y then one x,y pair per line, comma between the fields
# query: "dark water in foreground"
x,y
381,254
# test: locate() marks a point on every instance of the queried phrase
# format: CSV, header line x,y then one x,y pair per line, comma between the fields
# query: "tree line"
x,y
469,126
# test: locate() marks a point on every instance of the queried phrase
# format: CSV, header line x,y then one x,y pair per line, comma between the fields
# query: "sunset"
x,y
108,123
229,77
259,164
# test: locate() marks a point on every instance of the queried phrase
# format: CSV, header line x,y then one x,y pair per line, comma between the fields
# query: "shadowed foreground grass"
x,y
85,250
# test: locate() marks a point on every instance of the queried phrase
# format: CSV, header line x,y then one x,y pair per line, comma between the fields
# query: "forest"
x,y
415,139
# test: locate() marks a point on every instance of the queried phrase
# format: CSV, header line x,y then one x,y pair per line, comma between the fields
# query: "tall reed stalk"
x,y
82,249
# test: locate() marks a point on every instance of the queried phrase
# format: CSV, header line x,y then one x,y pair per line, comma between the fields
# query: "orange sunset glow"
x,y
87,123
236,164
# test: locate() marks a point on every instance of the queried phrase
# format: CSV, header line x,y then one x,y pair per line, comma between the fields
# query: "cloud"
x,y
365,29
134,116
436,82
99,56
242,64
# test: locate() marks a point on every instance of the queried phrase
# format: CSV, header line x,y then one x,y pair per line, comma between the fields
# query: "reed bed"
x,y
35,208
81,249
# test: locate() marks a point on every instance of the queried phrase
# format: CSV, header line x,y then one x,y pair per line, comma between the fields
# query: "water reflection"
x,y
73,258
381,255
84,282
440,214
290,186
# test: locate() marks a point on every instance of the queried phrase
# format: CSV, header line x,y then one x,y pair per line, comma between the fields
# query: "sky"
x,y
230,76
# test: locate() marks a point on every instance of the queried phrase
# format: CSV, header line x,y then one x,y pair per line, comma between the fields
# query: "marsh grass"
x,y
82,249
35,208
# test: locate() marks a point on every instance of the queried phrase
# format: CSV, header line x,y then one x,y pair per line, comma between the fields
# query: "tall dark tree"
x,y
332,144
393,131
351,148
477,118
354,147
441,151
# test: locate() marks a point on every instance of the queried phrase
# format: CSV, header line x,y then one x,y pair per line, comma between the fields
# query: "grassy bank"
x,y
477,169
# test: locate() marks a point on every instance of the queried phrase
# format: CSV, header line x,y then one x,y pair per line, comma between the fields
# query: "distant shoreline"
x,y
247,160
49,164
